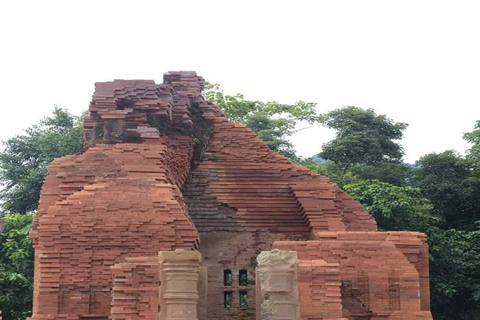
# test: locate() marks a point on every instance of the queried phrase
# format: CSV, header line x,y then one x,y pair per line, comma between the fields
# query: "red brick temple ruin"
x,y
174,212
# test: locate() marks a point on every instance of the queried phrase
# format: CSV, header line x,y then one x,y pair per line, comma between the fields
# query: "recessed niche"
x,y
243,300
227,278
227,299
243,277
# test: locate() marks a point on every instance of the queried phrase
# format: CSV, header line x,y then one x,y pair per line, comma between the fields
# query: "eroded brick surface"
x,y
377,280
163,169
319,287
116,200
135,289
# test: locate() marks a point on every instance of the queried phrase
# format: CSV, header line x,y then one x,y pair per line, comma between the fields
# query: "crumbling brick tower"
x,y
163,169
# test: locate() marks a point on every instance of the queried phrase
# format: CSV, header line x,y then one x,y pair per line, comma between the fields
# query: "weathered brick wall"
x,y
377,278
116,201
135,213
414,246
135,289
319,288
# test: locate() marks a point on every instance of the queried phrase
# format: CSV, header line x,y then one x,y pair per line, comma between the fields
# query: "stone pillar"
x,y
179,273
277,285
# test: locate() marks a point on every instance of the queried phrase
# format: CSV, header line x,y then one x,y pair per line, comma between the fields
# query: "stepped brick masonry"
x,y
174,212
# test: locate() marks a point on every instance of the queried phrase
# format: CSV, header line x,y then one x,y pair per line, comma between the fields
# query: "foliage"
x,y
452,183
474,137
453,186
273,122
398,174
330,169
16,267
362,138
454,273
24,161
394,207
273,132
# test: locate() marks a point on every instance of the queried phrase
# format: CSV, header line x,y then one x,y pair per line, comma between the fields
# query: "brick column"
x,y
277,285
179,274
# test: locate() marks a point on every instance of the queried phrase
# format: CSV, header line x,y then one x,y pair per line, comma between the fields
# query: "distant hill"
x,y
319,160
412,165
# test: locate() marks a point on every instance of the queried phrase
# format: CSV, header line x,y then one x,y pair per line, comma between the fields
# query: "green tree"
x,y
454,273
362,138
272,121
16,266
398,174
394,207
452,184
473,154
25,158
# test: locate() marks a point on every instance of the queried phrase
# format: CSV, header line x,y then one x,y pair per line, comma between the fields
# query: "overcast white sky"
x,y
415,61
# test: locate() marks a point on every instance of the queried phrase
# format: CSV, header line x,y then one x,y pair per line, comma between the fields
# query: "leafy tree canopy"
x,y
399,174
454,273
272,121
362,137
453,185
16,266
473,137
25,158
394,207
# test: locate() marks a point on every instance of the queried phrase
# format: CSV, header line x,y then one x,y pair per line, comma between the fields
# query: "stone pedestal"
x,y
179,275
277,286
